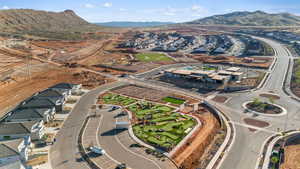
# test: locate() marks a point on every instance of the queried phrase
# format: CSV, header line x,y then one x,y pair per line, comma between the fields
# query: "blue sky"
x,y
153,10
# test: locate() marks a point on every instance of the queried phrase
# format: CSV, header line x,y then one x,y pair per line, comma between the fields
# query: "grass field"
x,y
111,98
160,127
152,57
173,100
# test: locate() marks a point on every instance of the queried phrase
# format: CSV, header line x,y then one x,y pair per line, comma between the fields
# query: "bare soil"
x,y
292,156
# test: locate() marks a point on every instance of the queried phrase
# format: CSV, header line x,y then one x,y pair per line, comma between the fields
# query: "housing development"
x,y
222,92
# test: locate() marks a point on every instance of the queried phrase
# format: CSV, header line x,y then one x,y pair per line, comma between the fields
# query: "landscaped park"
x,y
152,57
155,124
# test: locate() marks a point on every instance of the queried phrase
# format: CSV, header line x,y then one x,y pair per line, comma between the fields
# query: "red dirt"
x,y
188,155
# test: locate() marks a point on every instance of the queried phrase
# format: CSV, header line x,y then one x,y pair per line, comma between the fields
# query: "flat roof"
x,y
203,72
224,72
233,69
183,72
219,77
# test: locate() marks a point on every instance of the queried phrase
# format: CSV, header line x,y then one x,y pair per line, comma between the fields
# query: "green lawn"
x,y
173,100
152,57
162,127
158,125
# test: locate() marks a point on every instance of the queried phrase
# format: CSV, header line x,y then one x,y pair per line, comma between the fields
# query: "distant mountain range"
x,y
126,24
257,18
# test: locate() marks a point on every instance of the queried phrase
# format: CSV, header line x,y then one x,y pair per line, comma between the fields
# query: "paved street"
x,y
64,152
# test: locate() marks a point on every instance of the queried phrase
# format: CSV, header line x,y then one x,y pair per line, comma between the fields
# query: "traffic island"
x,y
264,108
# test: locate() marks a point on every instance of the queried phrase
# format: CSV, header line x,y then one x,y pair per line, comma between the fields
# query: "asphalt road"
x,y
64,152
109,141
247,146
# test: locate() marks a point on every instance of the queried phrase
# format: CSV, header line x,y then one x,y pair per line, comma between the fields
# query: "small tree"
x,y
274,161
256,102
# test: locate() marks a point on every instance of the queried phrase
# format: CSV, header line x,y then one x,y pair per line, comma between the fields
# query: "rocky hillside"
x,y
27,21
257,18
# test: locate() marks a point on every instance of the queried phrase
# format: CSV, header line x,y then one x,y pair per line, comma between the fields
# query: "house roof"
x,y
6,151
14,128
25,114
38,103
49,93
13,144
64,86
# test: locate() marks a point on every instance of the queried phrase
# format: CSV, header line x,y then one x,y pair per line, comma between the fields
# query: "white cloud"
x,y
5,7
107,4
89,5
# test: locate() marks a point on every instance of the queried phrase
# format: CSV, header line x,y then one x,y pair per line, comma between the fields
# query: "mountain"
x,y
133,24
33,22
257,18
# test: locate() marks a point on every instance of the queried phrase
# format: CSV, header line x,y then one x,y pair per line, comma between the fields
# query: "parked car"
x,y
97,150
121,166
114,108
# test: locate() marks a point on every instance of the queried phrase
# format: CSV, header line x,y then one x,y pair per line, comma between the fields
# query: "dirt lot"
x,y
18,90
149,94
220,99
292,156
188,155
259,62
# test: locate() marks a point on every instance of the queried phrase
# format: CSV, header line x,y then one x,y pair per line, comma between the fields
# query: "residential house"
x,y
34,130
13,153
67,86
34,114
35,102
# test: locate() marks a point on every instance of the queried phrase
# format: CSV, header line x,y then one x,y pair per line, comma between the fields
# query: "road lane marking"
x,y
98,142
136,153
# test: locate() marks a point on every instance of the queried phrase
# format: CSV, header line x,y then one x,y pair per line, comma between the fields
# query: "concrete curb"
x,y
224,148
183,141
270,148
284,111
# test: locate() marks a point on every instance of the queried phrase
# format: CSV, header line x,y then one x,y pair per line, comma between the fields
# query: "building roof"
x,y
202,72
64,86
38,103
49,93
25,114
233,69
13,144
224,72
182,72
237,73
6,151
15,128
219,77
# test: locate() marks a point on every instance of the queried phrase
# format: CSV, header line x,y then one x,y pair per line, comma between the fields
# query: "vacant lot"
x,y
152,57
292,155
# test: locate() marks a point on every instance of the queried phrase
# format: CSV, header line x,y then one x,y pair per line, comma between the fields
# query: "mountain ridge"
x,y
246,18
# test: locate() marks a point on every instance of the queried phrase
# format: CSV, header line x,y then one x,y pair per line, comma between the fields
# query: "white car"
x,y
97,150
